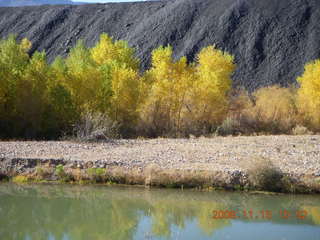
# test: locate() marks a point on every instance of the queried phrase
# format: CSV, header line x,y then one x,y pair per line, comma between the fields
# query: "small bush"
x,y
3,177
20,179
229,126
263,175
93,127
62,174
96,174
301,130
42,173
59,171
274,110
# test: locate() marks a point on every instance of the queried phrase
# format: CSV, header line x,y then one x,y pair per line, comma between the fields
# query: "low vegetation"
x,y
99,92
21,179
262,175
96,175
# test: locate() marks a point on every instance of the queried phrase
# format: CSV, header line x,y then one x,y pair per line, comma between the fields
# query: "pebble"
x,y
299,154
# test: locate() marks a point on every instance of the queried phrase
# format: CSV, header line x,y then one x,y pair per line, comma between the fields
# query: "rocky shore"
x,y
220,161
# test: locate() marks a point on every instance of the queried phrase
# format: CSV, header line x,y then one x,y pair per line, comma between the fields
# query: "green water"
x,y
43,212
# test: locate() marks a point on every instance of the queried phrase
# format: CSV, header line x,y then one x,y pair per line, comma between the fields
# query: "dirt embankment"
x,y
224,160
271,40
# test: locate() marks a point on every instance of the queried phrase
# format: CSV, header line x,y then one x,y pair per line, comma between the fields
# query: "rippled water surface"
x,y
57,212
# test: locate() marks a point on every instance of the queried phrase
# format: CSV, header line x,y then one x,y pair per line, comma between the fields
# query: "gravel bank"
x,y
297,155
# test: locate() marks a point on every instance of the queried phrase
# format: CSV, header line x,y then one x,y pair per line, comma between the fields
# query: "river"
x,y
73,212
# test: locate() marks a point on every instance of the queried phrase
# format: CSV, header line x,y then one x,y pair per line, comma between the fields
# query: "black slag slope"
x,y
271,40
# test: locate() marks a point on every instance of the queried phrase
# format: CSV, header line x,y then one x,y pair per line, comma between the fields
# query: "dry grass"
x,y
94,127
43,172
263,175
274,110
301,130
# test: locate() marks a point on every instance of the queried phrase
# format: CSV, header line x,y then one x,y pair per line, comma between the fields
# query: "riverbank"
x,y
273,163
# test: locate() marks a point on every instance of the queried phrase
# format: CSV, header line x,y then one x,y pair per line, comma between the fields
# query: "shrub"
x,y
3,177
96,126
264,175
230,126
96,174
59,171
301,130
274,110
20,179
43,172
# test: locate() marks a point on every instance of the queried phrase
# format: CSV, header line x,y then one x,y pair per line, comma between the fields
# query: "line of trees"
x,y
100,91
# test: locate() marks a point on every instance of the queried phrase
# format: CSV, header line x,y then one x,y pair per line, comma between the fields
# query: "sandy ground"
x,y
293,154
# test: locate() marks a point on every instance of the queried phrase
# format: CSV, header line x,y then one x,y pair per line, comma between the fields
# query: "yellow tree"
x,y
309,94
31,91
83,79
119,67
44,105
125,96
169,83
14,59
208,100
61,112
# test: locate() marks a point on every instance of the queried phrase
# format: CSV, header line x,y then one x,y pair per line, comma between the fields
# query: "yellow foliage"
x,y
274,109
162,63
239,102
309,94
20,179
183,96
125,98
169,83
25,45
13,61
275,103
83,79
172,96
208,99
31,92
112,52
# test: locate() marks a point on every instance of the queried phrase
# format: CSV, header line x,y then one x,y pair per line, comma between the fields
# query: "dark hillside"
x,y
272,40
15,3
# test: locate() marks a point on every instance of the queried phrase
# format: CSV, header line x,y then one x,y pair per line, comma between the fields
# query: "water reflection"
x,y
81,212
